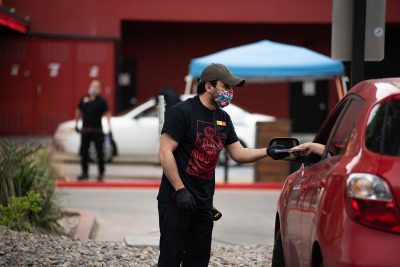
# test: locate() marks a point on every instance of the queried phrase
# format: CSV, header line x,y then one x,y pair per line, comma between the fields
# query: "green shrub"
x,y
28,168
20,211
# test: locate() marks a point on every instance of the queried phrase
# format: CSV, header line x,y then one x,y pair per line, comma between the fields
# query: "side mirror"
x,y
277,148
285,142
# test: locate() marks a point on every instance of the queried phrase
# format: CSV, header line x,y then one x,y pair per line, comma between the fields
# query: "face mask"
x,y
93,91
223,98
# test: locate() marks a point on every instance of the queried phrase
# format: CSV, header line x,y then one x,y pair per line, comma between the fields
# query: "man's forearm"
x,y
170,169
249,155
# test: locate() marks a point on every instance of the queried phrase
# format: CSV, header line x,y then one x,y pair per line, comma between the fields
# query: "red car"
x,y
343,208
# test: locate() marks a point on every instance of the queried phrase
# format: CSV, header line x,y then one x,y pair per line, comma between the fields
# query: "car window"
x,y
324,132
383,129
343,129
150,112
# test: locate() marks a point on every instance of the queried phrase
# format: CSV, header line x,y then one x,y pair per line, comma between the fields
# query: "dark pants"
x,y
98,139
184,238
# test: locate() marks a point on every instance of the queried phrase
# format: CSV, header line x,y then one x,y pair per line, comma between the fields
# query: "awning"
x,y
12,21
266,60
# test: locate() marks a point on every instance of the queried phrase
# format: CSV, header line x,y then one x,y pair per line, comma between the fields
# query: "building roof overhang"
x,y
9,19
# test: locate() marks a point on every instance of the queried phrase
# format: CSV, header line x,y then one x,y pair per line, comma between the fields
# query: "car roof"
x,y
373,91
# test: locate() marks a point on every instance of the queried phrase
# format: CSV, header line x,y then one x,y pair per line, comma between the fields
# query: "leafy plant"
x,y
28,168
17,169
19,211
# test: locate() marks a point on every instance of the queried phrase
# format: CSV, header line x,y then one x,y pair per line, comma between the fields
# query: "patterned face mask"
x,y
223,98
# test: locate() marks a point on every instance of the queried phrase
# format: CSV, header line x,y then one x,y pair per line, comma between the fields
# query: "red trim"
x,y
13,23
145,184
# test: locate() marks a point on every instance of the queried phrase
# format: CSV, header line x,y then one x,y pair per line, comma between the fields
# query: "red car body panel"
x,y
311,211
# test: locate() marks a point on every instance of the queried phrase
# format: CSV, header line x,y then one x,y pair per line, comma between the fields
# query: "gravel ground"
x,y
27,249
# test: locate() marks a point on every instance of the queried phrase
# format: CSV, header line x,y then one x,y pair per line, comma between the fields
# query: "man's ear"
x,y
208,87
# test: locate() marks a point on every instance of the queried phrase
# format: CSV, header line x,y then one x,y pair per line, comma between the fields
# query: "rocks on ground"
x,y
29,249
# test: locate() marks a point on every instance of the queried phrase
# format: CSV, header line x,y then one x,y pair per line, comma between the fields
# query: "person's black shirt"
x,y
92,111
201,134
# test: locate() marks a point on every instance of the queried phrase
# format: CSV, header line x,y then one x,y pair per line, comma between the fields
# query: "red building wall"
x,y
103,17
160,37
42,80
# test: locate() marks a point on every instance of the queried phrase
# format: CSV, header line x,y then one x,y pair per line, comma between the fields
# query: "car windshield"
x,y
383,130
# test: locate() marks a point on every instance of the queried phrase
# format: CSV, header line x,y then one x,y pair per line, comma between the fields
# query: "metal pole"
x,y
226,166
358,48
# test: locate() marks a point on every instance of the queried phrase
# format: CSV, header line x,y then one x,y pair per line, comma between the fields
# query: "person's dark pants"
x,y
98,139
184,238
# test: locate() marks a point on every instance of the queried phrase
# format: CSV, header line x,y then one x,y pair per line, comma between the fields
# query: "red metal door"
x,y
54,84
16,87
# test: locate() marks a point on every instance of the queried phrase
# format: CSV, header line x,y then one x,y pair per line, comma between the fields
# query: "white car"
x,y
136,132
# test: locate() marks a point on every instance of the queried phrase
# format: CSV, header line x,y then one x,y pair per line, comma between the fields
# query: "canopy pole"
x,y
339,87
188,84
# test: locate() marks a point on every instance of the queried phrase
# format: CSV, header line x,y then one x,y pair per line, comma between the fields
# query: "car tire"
x,y
108,153
278,259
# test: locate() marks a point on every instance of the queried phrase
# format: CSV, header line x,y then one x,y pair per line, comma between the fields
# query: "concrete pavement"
x,y
125,205
248,216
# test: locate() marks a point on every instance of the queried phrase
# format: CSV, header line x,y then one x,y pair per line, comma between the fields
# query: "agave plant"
x,y
28,168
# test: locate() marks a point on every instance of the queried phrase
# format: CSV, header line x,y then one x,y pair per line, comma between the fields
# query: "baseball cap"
x,y
219,72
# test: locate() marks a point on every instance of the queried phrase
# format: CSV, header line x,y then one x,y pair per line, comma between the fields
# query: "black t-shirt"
x,y
92,111
201,134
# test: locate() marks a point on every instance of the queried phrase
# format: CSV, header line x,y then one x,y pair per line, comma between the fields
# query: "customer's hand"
x,y
184,200
311,148
271,152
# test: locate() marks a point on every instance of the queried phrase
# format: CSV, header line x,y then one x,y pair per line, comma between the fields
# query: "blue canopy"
x,y
266,60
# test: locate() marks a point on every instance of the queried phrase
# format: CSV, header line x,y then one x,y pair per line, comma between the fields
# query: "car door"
x,y
326,172
298,182
137,134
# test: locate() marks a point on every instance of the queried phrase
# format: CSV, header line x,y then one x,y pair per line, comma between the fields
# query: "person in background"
x,y
194,133
90,109
171,98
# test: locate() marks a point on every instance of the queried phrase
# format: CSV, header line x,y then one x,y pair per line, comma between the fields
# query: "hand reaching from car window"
x,y
311,148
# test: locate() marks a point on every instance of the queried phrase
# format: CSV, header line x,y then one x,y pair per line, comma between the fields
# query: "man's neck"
x,y
206,100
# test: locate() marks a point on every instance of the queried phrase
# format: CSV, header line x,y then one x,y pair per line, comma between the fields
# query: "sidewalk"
x,y
135,175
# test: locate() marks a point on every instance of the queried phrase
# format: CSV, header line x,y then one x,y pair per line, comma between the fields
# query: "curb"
x,y
119,185
87,222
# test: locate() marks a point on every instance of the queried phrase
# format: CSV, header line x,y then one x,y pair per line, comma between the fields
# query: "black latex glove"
x,y
184,200
216,214
276,156
77,129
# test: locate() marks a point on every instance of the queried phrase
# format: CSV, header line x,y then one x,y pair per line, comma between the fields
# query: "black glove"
x,y
77,129
216,214
184,200
276,156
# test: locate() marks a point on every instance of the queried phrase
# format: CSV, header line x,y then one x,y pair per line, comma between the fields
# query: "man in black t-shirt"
x,y
91,108
194,133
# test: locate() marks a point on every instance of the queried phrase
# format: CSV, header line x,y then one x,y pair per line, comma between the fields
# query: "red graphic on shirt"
x,y
205,153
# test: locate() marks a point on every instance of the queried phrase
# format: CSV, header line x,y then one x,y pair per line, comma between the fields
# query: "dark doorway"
x,y
127,85
308,105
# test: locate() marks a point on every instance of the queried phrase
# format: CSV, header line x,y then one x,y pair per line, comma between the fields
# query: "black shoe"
x,y
83,177
100,178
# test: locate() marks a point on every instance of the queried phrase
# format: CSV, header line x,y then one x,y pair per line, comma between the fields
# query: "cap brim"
x,y
234,81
